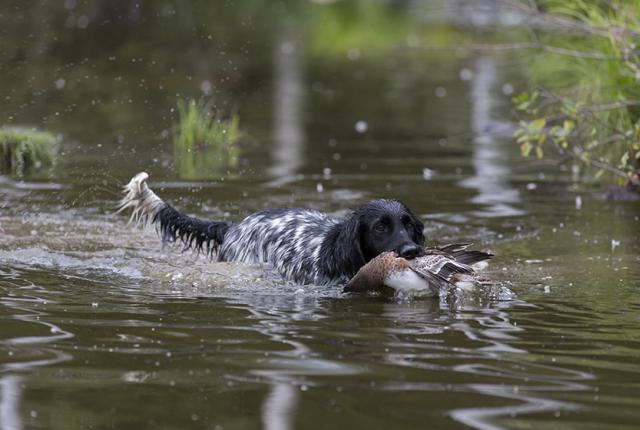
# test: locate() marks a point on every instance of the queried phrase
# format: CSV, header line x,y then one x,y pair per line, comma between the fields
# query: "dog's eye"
x,y
380,228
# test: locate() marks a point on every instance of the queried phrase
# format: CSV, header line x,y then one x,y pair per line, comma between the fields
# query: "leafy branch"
x,y
587,107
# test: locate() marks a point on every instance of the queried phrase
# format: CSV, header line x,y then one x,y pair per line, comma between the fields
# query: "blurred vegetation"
x,y
204,142
121,65
587,104
365,28
23,150
347,26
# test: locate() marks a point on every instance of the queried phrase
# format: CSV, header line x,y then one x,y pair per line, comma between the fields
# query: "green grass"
x,y
24,150
205,143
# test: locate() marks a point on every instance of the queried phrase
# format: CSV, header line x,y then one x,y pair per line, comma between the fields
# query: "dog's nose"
x,y
410,250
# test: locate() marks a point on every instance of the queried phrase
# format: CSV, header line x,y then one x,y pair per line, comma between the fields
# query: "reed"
x,y
205,142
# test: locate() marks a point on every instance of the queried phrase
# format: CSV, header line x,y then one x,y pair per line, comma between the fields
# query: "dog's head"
x,y
387,225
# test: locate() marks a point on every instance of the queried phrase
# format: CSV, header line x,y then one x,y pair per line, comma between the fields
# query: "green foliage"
x,y
337,28
374,28
205,143
25,150
587,106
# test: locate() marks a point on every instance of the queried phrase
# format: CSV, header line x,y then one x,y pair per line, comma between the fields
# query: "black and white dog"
x,y
304,246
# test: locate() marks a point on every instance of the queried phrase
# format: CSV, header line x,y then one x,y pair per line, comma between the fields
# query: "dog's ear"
x,y
341,253
349,243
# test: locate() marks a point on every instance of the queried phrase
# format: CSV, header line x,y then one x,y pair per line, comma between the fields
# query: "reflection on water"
x,y
289,373
482,418
499,333
288,139
492,170
9,403
28,355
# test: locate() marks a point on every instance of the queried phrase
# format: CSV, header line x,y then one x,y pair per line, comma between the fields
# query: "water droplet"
x,y
427,174
413,40
466,74
287,48
205,87
83,21
353,54
362,126
614,245
441,92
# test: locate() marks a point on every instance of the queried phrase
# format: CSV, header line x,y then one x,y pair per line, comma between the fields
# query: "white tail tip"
x,y
138,195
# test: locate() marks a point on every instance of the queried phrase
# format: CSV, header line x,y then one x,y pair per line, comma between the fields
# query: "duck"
x,y
439,269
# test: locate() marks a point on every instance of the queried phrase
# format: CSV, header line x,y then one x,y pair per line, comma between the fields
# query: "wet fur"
x,y
304,246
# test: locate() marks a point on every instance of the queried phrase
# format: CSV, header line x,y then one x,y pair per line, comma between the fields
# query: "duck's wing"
x,y
458,252
441,264
432,278
472,257
453,247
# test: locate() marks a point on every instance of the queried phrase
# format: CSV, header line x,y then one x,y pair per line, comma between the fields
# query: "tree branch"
x,y
568,24
526,45
611,106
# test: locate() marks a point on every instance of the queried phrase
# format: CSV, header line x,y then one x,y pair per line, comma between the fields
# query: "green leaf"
x,y
568,125
624,159
538,124
521,98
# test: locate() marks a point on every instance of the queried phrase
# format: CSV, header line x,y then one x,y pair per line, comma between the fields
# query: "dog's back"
x,y
288,239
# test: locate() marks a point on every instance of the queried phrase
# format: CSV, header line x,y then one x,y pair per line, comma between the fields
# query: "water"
x,y
102,328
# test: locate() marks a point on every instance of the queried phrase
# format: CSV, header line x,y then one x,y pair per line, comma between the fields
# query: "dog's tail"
x,y
195,233
145,203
